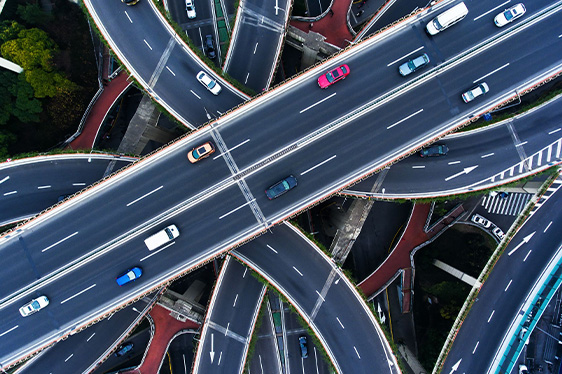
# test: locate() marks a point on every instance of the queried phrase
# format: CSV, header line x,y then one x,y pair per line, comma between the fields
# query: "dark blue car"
x,y
281,187
304,346
124,349
129,276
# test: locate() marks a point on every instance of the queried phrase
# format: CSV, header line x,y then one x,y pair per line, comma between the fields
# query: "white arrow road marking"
x,y
465,171
456,366
212,347
525,240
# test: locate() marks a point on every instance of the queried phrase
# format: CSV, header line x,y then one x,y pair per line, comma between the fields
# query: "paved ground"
x,y
333,25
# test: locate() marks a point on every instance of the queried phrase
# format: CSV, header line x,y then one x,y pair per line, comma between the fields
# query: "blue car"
x,y
124,349
281,187
304,346
129,276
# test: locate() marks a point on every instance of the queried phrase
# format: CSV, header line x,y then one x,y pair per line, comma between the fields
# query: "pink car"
x,y
331,77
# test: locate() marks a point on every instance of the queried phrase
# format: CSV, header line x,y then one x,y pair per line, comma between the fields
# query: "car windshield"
x,y
195,154
35,304
470,95
508,15
131,275
211,84
343,69
330,77
278,188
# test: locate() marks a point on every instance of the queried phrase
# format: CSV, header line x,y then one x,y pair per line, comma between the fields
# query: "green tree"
x,y
5,139
32,14
17,99
9,30
32,49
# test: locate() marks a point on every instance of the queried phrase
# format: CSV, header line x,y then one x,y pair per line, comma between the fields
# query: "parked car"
x,y
200,152
413,65
498,233
281,187
509,15
34,306
475,91
333,76
190,9
434,150
124,349
130,2
479,220
209,83
129,276
210,46
304,346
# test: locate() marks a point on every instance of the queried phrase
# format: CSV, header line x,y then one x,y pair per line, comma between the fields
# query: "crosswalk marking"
x,y
512,205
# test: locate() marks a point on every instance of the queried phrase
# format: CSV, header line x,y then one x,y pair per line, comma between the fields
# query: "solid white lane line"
x,y
227,327
4,180
491,10
404,119
491,316
476,346
550,133
43,187
523,143
406,55
247,75
170,70
10,193
91,336
235,299
488,155
270,247
194,94
320,296
231,149
145,195
145,42
127,14
547,227
509,284
320,164
341,324
418,167
234,210
357,353
454,162
78,184
60,241
297,270
220,358
158,251
525,259
79,293
68,358
321,101
255,48
490,73
7,331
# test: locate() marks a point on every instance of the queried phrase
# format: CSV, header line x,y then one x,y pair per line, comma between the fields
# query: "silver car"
x,y
475,91
413,65
209,83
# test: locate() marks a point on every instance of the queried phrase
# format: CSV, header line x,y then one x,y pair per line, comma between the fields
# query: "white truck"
x,y
162,237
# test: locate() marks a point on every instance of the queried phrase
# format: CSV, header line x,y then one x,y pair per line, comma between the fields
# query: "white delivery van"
x,y
162,237
446,19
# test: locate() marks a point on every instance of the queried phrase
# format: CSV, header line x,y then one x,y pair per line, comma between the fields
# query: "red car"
x,y
331,77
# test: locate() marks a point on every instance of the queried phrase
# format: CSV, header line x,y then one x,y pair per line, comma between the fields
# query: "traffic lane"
x,y
237,300
351,333
298,364
181,353
127,26
315,107
143,195
178,87
506,289
34,187
85,348
95,280
228,354
298,271
476,27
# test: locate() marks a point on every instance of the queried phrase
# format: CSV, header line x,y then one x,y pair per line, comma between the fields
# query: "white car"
x,y
479,220
190,8
475,91
510,15
34,306
209,83
523,369
498,233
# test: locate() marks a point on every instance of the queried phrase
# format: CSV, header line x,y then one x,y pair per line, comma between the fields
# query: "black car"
x,y
434,150
209,45
130,2
124,349
281,187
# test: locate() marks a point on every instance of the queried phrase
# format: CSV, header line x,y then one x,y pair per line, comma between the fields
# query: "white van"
x,y
446,19
162,237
